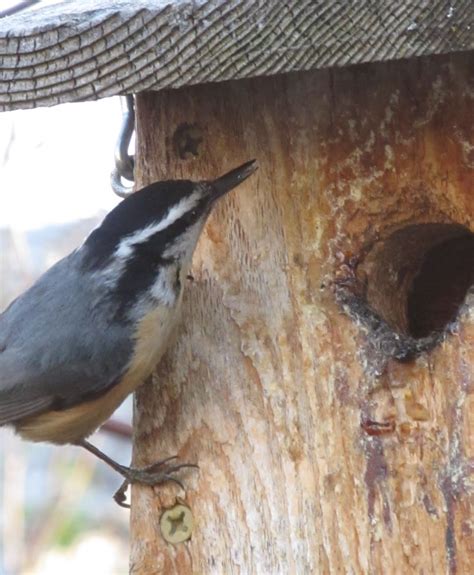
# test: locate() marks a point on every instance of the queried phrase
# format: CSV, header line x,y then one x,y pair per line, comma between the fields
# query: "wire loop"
x,y
124,162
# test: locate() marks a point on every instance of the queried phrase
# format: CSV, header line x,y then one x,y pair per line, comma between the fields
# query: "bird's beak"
x,y
232,179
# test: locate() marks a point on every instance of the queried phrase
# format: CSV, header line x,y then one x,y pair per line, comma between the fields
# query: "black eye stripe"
x,y
141,268
164,237
143,208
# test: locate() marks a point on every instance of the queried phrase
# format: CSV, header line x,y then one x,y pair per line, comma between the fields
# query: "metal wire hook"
x,y
18,7
124,162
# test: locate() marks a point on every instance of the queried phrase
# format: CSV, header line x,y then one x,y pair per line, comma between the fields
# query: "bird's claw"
x,y
155,474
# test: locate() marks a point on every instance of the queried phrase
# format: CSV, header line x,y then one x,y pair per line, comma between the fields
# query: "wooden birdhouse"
x,y
322,374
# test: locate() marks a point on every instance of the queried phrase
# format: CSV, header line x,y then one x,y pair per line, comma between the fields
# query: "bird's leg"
x,y
160,472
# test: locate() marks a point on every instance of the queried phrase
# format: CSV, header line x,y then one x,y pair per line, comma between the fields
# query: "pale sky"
x,y
55,163
55,166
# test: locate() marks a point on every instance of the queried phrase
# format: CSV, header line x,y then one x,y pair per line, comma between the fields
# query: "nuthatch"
x,y
94,326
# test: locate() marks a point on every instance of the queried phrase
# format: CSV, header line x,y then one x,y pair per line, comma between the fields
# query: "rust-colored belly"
x,y
152,337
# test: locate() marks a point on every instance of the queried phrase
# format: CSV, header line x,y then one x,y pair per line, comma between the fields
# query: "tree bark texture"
x,y
75,50
317,455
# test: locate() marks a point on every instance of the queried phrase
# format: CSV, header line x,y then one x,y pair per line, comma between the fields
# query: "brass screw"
x,y
176,524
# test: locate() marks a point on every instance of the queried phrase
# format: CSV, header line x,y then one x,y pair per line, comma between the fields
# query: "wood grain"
x,y
310,461
73,51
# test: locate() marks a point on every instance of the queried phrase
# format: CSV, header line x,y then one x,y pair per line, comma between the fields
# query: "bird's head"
x,y
155,229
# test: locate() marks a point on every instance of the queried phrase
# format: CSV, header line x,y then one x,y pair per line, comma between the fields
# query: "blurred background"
x,y
57,512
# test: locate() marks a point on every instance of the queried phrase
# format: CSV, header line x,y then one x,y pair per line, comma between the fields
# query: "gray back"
x,y
58,345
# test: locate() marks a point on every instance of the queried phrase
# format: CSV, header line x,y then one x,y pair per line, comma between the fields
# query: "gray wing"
x,y
58,345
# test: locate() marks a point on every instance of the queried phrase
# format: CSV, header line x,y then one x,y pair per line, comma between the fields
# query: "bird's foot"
x,y
160,472
156,474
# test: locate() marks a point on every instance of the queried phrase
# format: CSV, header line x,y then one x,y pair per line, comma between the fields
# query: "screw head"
x,y
177,524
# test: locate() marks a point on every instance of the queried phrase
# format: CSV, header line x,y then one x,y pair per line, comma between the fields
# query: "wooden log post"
x,y
314,379
319,450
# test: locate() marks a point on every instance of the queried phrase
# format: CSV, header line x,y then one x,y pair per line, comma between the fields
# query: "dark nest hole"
x,y
418,278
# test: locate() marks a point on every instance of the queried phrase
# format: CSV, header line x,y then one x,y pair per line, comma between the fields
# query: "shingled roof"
x,y
83,50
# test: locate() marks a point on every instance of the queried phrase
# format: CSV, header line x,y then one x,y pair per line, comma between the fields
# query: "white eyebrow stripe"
x,y
125,247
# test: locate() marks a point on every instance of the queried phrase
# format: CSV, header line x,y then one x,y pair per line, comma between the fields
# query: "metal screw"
x,y
177,524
